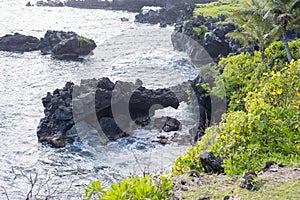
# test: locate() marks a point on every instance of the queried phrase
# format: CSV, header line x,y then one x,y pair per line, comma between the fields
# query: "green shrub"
x,y
268,128
94,189
242,72
200,31
135,188
276,54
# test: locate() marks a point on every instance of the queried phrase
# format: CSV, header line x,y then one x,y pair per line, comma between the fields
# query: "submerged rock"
x,y
66,45
18,42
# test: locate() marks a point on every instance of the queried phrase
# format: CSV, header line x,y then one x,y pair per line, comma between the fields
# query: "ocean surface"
x,y
126,51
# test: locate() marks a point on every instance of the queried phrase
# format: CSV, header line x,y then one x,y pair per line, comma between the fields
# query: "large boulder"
x,y
18,42
66,45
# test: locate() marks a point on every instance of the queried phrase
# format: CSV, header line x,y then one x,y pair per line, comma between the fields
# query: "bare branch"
x,y
5,192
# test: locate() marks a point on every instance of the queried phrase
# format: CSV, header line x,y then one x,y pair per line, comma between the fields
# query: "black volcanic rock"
x,y
211,164
114,110
213,39
164,16
50,3
66,45
18,42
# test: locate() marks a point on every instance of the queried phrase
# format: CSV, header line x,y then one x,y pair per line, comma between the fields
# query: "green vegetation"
x,y
82,40
256,27
242,72
264,124
286,15
200,31
222,7
134,188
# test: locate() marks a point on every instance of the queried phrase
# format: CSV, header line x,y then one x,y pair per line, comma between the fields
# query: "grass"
x,y
281,185
225,7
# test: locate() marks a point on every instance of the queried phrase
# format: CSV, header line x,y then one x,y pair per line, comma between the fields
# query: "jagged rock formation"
x,y
107,111
209,34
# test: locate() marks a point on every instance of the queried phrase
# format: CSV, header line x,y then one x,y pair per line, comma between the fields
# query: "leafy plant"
x,y
200,31
94,189
135,188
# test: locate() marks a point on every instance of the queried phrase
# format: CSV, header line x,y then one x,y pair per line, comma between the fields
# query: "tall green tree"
x,y
255,27
286,14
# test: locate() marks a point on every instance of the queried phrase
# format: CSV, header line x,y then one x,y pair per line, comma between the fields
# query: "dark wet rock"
x,y
124,19
165,139
211,164
151,17
111,129
18,42
50,3
66,45
113,109
57,141
212,36
28,4
167,124
164,16
248,181
58,117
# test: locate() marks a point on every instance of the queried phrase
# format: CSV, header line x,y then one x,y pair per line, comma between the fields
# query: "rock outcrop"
x,y
113,109
109,111
173,13
209,34
66,45
18,42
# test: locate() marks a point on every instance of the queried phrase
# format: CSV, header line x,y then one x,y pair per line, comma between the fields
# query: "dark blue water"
x,y
125,51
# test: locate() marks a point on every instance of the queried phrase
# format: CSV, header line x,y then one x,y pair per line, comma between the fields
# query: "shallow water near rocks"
x,y
126,51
